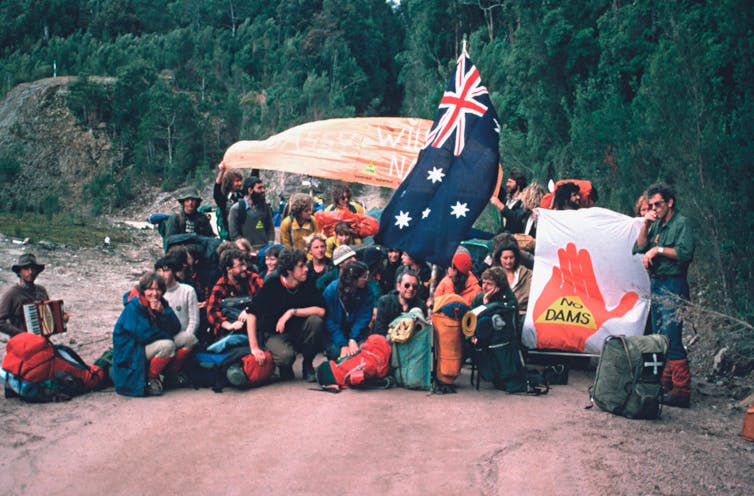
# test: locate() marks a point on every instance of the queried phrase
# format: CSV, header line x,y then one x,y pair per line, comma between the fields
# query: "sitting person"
x,y
342,235
182,300
422,270
387,271
459,280
508,257
270,260
236,281
349,304
299,224
143,345
343,254
287,316
319,264
398,301
25,291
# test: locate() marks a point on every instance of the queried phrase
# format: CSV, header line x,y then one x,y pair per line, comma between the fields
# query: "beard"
x,y
258,199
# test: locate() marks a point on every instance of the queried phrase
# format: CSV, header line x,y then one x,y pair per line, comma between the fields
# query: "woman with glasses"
x,y
348,304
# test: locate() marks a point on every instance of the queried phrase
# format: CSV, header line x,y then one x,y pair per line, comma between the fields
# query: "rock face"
x,y
45,155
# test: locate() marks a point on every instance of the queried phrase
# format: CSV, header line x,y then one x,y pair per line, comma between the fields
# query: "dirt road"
x,y
287,439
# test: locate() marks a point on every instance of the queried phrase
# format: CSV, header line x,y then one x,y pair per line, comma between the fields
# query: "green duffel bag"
x,y
627,381
411,360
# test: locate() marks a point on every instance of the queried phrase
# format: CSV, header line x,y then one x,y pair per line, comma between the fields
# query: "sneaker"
x,y
285,373
236,376
154,387
308,372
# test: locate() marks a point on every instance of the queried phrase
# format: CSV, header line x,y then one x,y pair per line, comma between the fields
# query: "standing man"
x,y
287,315
512,212
188,219
667,242
226,193
251,217
25,291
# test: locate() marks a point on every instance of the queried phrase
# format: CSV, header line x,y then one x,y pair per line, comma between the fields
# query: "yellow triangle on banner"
x,y
568,310
370,169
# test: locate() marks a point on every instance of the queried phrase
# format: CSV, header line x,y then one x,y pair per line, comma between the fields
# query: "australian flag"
x,y
435,206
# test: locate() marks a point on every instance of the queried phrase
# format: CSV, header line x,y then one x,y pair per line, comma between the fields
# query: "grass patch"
x,y
60,228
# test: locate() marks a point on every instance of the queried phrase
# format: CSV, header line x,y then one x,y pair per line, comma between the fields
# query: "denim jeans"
x,y
664,320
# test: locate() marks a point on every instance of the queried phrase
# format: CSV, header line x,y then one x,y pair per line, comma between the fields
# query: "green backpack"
x,y
627,381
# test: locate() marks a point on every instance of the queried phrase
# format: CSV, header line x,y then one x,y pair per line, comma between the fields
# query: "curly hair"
x,y
496,275
532,195
338,191
347,281
298,203
228,256
288,259
312,238
507,247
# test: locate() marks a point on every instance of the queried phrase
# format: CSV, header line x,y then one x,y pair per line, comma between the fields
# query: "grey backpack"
x,y
627,381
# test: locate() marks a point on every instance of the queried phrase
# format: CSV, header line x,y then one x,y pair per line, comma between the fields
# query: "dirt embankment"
x,y
288,439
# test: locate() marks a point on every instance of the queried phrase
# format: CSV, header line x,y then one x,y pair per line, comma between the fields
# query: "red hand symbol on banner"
x,y
571,307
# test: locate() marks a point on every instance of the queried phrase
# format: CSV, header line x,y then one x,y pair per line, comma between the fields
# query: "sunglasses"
x,y
657,204
410,286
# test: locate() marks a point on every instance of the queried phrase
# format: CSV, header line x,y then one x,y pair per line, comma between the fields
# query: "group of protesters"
x,y
299,291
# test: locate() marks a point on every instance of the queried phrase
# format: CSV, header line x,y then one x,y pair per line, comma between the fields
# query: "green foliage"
x,y
60,228
622,93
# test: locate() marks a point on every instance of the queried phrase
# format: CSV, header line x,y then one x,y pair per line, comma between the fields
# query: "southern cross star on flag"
x,y
434,207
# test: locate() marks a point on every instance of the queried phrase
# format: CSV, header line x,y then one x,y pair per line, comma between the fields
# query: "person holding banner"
x,y
667,242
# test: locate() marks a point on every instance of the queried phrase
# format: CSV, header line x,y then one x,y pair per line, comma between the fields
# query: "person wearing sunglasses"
x,y
666,242
403,298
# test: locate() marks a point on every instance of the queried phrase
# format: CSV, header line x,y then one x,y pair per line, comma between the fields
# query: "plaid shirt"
x,y
222,289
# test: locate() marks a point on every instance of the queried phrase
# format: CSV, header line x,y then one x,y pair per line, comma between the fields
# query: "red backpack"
x,y
38,371
371,362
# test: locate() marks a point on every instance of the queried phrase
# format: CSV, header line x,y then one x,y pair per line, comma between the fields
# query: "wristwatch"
x,y
661,250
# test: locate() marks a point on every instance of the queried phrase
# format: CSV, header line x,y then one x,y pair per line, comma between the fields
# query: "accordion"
x,y
44,317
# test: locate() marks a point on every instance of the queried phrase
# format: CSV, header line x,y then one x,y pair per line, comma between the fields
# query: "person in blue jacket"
x,y
349,306
143,338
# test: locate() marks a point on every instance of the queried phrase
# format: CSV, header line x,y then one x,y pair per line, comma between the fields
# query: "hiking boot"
x,y
679,401
285,373
308,372
154,387
236,376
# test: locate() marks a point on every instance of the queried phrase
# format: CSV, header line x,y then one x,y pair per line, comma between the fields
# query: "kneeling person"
x,y
287,316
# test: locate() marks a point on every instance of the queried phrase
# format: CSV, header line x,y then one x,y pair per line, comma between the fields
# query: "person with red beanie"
x,y
459,279
143,343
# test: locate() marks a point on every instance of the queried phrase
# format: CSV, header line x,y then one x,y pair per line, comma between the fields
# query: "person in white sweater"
x,y
183,301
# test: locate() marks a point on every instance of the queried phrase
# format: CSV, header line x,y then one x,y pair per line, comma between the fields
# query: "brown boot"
x,y
680,395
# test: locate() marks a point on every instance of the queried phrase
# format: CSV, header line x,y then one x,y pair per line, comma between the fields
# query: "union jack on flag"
x,y
435,206
461,98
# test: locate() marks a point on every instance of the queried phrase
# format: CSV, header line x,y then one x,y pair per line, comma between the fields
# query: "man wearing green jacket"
x,y
667,242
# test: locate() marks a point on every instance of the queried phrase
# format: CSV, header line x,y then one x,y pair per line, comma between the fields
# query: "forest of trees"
x,y
620,92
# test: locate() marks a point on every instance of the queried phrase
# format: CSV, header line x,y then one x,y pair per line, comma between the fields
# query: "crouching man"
x,y
288,317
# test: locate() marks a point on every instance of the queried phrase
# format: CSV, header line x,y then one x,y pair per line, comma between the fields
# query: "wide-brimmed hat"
x,y
187,193
28,260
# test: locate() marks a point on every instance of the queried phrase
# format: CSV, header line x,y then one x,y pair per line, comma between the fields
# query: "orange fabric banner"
x,y
367,150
